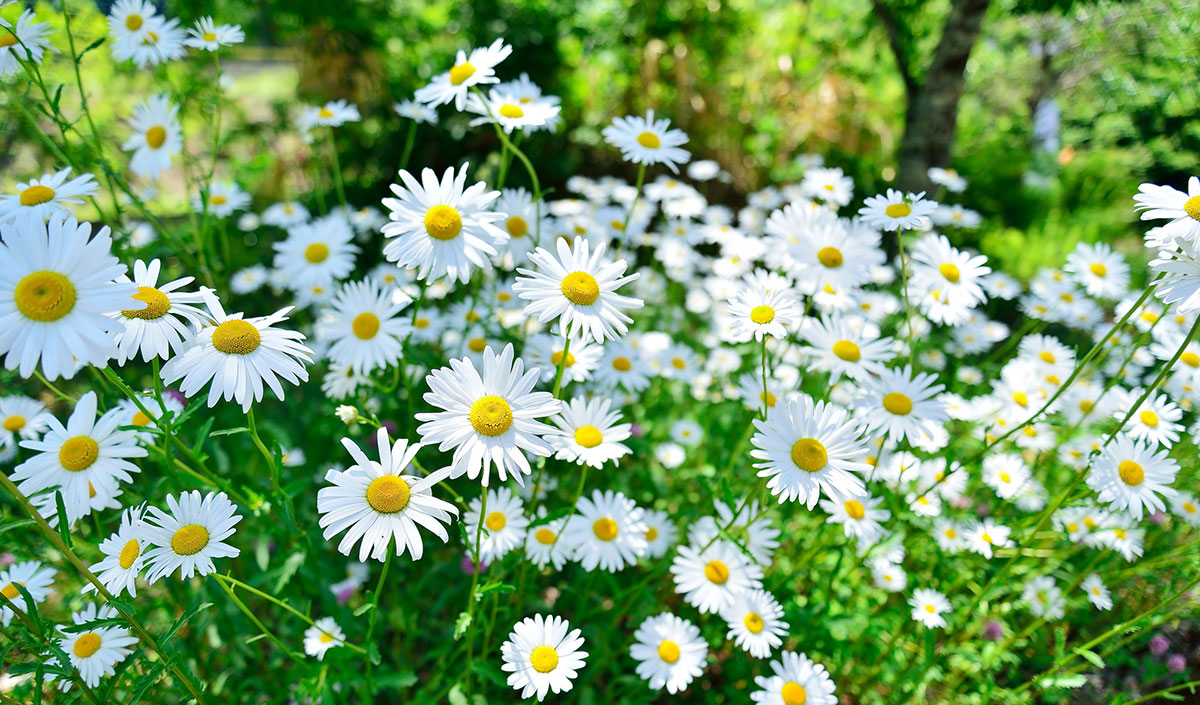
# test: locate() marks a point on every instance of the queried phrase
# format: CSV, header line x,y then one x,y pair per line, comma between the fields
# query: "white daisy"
x,y
157,137
364,326
161,329
249,279
982,535
505,522
1166,203
755,622
590,433
622,365
542,546
807,448
221,199
210,36
669,651
861,518
158,40
21,418
1045,598
755,532
606,531
237,355
1097,593
96,651
37,579
38,200
795,680
189,535
25,41
897,210
541,655
758,312
320,252
660,532
324,635
375,502
712,578
901,405
1185,506
546,353
1131,474
442,227
644,140
951,179
334,113
489,419
579,289
124,555
469,70
510,111
417,112
1102,272
285,214
844,349
928,607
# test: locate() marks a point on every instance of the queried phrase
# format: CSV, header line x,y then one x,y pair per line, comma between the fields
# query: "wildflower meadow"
x,y
464,391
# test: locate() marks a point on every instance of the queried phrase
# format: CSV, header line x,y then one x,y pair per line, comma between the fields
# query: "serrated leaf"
x,y
461,625
184,619
290,566
229,431
373,654
1092,657
1069,681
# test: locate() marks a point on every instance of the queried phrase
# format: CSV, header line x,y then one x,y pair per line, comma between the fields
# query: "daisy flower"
x,y
545,352
840,348
248,280
489,419
335,113
1097,593
523,225
902,405
829,185
157,137
711,579
318,253
127,20
951,275
223,198
161,329
442,227
365,327
477,68
510,112
756,623
928,607
285,215
417,112
38,200
1185,506
644,140
541,655
323,636
37,580
795,680
807,448
26,41
1156,421
376,501
21,419
97,651
542,546
210,36
579,289
982,535
1100,271
660,532
590,433
758,312
758,537
951,179
159,40
237,355
669,651
123,555
505,522
1131,474
189,535
622,365
897,210
956,216
1166,203
860,517
607,530
88,456
1045,598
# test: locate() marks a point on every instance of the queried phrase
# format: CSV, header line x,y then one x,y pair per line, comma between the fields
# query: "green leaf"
x,y
262,552
183,619
290,566
1064,681
456,696
365,608
401,679
229,431
202,435
461,625
1091,656
64,529
91,46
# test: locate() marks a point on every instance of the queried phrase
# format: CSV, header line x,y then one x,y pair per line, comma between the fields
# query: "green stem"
x,y
637,195
56,391
374,616
409,141
255,620
234,582
337,171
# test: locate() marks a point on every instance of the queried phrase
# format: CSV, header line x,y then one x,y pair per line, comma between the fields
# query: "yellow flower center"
x,y
557,358
189,540
133,23
830,257
930,609
516,226
1131,473
1005,478
1047,356
950,534
1189,507
14,423
793,693
1190,359
678,363
157,304
236,337
768,399
1098,269
461,72
651,534
1120,533
605,529
44,296
716,572
809,454
588,436
581,288
762,315
543,659
1192,207
855,509
509,110
668,651
36,195
10,591
365,325
443,222
544,536
317,252
217,200
325,638
495,521
1149,418
649,140
753,622
78,453
210,37
847,350
622,364
325,113
155,137
897,403
491,415
388,494
477,345
1021,398
129,553
1030,431
87,644
898,210
949,271
421,323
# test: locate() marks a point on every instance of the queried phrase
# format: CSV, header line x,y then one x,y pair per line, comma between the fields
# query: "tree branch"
x,y
899,41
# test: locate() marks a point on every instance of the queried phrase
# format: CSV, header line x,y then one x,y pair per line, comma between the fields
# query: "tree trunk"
x,y
929,122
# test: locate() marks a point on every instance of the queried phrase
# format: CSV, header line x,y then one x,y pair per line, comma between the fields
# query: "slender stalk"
x,y
641,178
55,390
908,318
262,628
234,582
476,561
338,185
373,617
409,141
